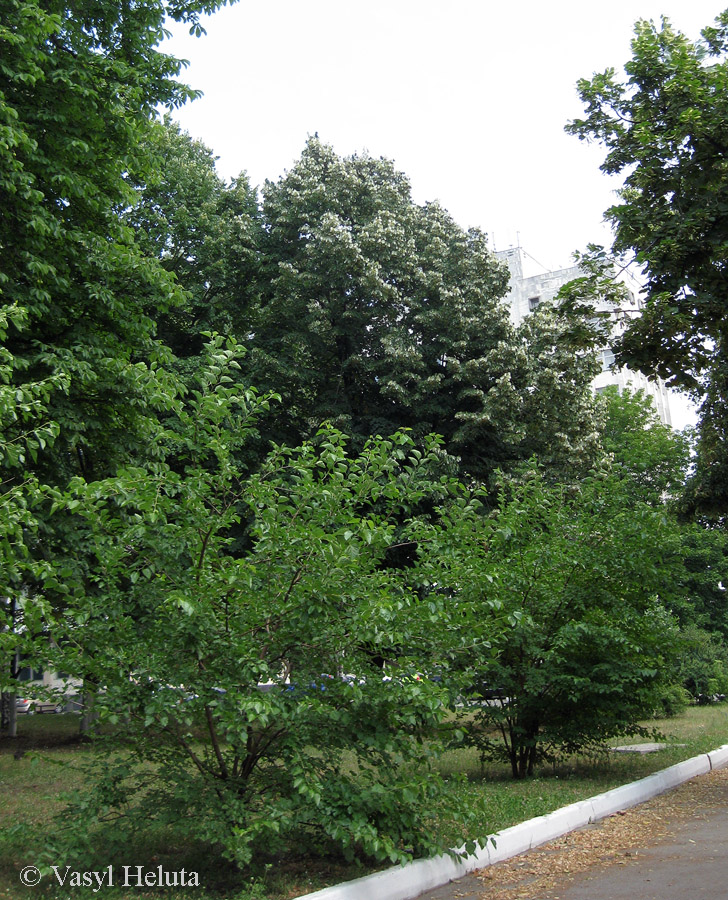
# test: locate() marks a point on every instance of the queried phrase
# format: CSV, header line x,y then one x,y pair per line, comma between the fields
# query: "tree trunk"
x,y
523,755
9,714
12,729
88,703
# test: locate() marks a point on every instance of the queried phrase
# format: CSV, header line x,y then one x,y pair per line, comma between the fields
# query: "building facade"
x,y
527,291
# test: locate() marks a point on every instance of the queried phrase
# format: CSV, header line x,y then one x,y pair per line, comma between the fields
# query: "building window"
x,y
28,674
533,303
607,359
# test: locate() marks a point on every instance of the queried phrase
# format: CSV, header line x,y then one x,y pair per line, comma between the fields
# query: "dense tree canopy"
x,y
651,462
380,313
650,457
579,574
231,609
664,128
377,313
80,374
79,86
245,670
204,231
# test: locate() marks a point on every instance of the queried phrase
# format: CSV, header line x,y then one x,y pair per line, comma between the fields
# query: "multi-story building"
x,y
527,291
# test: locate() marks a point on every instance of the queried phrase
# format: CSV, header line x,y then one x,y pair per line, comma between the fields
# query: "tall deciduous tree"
x,y
380,313
205,231
664,129
79,86
80,83
650,457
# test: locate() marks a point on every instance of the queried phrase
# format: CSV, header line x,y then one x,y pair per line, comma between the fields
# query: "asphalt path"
x,y
675,847
691,863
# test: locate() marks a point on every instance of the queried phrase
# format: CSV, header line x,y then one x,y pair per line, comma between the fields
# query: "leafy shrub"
x,y
703,663
674,699
587,647
233,621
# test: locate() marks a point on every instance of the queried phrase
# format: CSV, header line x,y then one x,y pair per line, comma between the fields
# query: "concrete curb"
x,y
409,881
719,758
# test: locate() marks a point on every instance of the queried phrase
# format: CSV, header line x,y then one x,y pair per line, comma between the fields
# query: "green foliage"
x,y
78,87
233,624
651,462
649,457
204,231
380,313
367,310
701,593
706,493
25,428
560,419
377,313
703,663
577,573
81,375
664,128
673,700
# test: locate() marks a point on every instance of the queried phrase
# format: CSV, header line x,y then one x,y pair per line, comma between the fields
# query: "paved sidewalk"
x,y
674,847
691,864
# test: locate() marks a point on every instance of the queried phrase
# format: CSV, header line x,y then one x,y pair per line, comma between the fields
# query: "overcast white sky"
x,y
468,97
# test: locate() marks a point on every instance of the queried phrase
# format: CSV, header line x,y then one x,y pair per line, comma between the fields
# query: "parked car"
x,y
48,706
24,705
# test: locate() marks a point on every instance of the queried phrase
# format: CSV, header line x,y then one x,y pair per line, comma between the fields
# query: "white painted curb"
x,y
409,881
719,758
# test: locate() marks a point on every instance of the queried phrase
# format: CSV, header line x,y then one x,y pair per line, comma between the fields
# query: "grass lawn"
x,y
46,758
